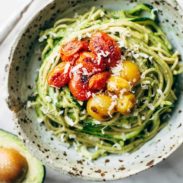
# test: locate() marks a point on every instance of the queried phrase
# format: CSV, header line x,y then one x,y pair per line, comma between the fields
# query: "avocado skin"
x,y
12,138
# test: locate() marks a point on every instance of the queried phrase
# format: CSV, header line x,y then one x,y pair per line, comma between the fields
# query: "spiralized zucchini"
x,y
141,40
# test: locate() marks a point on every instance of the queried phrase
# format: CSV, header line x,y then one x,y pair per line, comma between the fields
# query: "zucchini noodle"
x,y
141,39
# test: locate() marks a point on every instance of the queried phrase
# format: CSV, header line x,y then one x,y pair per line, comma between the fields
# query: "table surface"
x,y
168,171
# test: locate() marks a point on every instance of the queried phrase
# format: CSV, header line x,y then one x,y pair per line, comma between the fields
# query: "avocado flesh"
x,y
36,171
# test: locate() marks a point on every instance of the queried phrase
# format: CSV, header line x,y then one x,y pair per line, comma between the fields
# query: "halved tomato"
x,y
106,47
78,86
98,81
59,76
70,51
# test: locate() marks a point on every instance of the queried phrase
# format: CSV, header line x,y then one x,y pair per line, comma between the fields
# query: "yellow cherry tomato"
x,y
116,84
130,72
125,103
99,107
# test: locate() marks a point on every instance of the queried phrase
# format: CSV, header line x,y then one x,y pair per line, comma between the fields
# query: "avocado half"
x,y
36,171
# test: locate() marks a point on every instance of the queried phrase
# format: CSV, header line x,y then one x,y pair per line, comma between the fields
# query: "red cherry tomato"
x,y
70,51
59,76
89,62
98,81
105,46
78,86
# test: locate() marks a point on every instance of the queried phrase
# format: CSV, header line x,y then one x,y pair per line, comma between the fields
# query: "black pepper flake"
x,y
107,161
150,163
156,2
121,168
17,68
98,171
147,156
29,87
71,173
6,68
102,174
64,153
80,162
179,125
74,168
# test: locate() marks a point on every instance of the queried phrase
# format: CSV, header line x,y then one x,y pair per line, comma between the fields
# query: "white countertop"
x,y
168,171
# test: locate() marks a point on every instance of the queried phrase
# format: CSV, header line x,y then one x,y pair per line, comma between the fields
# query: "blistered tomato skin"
x,y
78,86
89,62
105,46
70,51
98,81
59,76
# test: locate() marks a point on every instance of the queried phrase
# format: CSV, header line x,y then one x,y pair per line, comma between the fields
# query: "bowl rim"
x,y
15,117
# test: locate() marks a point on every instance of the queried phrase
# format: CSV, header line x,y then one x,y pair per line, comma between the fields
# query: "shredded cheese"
x,y
69,121
66,69
48,99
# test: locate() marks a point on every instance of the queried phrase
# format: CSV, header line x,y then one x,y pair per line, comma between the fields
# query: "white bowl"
x,y
23,70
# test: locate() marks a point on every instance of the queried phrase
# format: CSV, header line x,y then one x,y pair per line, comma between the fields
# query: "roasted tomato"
x,y
98,81
59,76
78,86
70,51
105,47
90,63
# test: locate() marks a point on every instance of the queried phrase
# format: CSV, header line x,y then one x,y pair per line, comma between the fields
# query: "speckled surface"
x,y
147,161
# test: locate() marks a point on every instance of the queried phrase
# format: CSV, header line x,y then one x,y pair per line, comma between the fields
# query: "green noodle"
x,y
147,45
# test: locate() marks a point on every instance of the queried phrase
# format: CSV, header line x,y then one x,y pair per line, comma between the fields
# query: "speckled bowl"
x,y
25,61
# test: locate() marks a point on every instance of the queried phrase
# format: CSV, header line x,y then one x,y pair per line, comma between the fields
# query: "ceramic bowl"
x,y
25,62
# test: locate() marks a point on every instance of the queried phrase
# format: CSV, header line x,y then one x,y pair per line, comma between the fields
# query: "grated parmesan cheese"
x,y
121,43
76,15
42,38
144,86
80,37
85,72
62,137
76,68
117,146
48,99
72,136
61,112
150,106
102,13
111,107
100,55
39,120
97,122
29,104
117,69
66,69
159,91
88,94
88,34
69,121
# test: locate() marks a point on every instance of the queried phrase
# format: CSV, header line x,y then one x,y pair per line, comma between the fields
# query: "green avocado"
x,y
36,171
